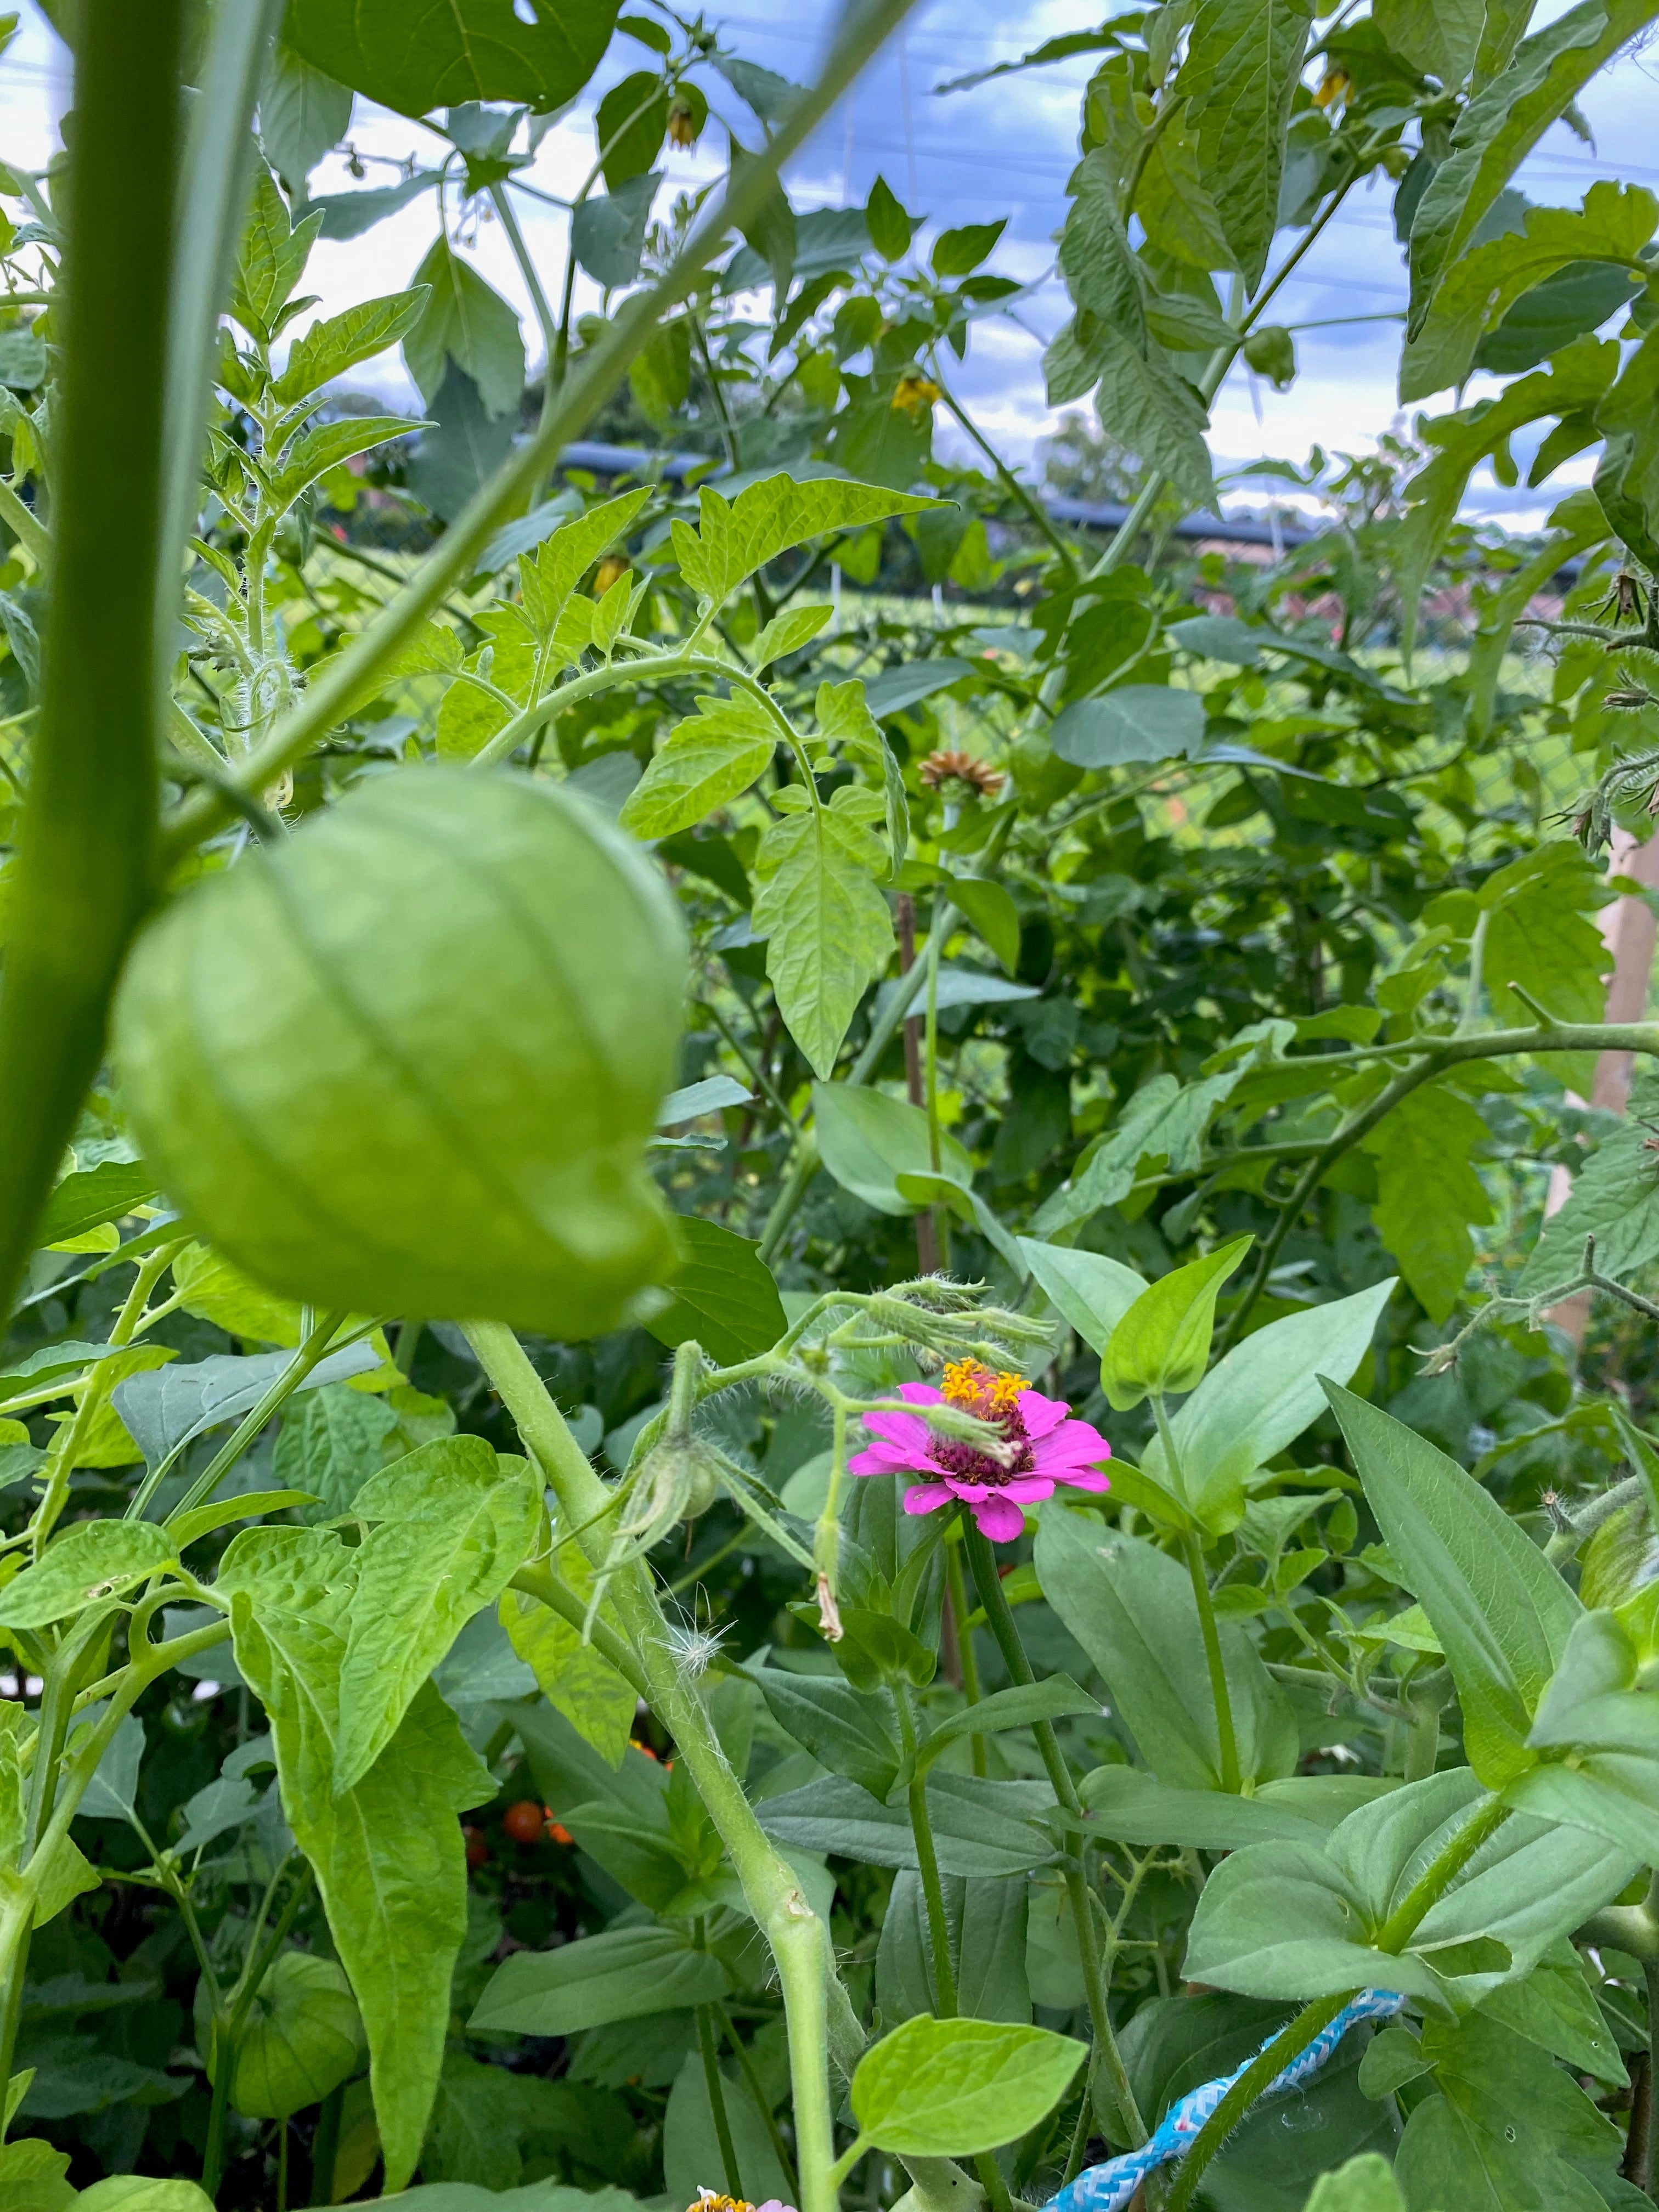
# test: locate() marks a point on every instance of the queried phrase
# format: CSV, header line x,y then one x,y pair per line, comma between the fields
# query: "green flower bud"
x,y
408,1062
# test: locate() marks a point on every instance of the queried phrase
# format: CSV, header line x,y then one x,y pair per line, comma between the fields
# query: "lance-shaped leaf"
x,y
1163,1342
1131,1607
732,540
704,763
1260,1398
1501,1613
828,927
1244,61
330,348
388,1854
1503,124
319,450
626,1973
455,1522
1615,223
273,256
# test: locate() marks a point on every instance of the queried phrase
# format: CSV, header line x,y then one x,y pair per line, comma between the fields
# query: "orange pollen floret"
x,y
968,1384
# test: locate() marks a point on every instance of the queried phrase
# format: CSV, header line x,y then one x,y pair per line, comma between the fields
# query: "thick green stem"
x,y
932,1890
798,1938
86,866
1126,2118
956,1589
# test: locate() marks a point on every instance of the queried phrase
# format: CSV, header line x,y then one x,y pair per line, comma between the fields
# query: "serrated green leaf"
x,y
388,1855
1541,934
828,929
330,348
1575,380
1100,271
936,2089
598,1703
844,717
786,633
90,1561
1429,1195
465,321
732,541
723,1294
1243,66
1154,413
1616,221
1503,124
704,763
1437,36
1614,1198
548,577
317,451
1501,1613
455,1522
273,256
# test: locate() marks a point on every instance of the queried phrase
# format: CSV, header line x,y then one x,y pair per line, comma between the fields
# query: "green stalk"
x,y
956,1589
932,1890
326,2146
746,2064
716,2087
1192,1545
85,867
798,1938
1650,2144
1000,1619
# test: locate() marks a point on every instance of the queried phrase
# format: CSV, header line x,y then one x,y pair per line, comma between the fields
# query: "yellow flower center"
x,y
977,1390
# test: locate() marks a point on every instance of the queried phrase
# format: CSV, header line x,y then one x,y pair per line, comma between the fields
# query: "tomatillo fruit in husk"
x,y
408,1061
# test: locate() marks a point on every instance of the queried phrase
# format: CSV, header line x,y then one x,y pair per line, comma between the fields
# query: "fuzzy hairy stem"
x,y
798,1939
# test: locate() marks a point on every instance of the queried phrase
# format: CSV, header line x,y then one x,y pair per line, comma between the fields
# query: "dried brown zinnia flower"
x,y
942,768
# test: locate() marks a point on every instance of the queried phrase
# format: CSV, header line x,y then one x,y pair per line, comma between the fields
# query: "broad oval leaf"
x,y
454,1000
939,2088
540,54
1136,722
723,1294
1163,1341
1501,1613
624,1974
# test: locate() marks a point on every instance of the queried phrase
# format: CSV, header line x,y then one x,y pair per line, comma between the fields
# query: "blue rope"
x,y
1108,2188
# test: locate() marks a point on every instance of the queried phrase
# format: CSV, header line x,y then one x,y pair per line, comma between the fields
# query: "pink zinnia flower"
x,y
1042,1448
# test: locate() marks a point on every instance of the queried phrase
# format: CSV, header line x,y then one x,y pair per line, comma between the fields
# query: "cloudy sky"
x,y
1003,149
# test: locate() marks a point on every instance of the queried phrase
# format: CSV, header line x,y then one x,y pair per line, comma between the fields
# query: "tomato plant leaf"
x,y
466,50
455,1522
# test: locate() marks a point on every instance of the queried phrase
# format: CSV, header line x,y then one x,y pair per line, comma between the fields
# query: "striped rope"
x,y
1108,2188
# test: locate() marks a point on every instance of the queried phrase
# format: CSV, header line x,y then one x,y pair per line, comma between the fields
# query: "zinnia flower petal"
x,y
1029,1489
920,1394
1082,1478
927,1497
999,1517
1074,1444
885,1459
1041,1414
907,1429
